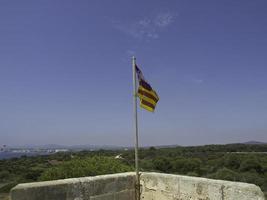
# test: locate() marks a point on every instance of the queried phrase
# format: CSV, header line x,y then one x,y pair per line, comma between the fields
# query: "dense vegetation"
x,y
236,162
85,167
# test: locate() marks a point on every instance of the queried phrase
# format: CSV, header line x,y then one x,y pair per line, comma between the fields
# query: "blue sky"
x,y
65,71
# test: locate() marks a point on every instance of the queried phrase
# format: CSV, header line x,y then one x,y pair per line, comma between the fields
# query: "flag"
x,y
148,97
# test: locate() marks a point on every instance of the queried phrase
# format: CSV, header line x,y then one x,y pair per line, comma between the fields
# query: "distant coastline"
x,y
9,155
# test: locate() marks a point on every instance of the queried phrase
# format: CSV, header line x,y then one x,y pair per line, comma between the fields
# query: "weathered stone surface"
x,y
122,195
155,186
115,186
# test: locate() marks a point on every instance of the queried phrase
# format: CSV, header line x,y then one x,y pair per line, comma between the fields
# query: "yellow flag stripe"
x,y
149,93
151,109
152,101
143,94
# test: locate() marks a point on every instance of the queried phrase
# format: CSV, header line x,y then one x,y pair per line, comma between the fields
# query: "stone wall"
x,y
155,186
105,187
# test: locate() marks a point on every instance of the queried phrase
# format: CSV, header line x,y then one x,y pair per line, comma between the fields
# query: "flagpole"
x,y
136,129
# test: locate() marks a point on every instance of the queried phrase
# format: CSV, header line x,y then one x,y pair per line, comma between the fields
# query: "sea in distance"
x,y
9,155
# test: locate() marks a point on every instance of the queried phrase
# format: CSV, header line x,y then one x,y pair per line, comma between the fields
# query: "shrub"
x,y
85,167
8,187
251,164
185,166
4,175
162,164
232,161
225,174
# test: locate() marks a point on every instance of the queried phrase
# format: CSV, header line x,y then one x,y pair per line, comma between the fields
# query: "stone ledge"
x,y
154,186
159,186
77,188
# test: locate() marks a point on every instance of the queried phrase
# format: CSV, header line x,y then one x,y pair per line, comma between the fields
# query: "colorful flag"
x,y
148,97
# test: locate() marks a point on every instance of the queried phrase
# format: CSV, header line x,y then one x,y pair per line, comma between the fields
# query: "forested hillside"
x,y
235,162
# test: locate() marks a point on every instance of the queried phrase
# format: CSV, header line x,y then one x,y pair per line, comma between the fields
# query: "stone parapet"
x,y
104,187
154,186
158,186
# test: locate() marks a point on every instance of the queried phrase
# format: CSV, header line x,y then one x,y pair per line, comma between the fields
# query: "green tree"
x,y
225,174
184,166
252,177
162,164
85,167
232,161
4,175
251,164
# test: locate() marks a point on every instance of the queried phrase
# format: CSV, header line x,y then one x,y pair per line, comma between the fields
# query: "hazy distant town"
x,y
34,150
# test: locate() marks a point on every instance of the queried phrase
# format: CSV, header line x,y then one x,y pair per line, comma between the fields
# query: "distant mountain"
x,y
254,142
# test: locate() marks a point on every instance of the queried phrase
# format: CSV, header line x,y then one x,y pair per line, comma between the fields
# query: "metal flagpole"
x,y
136,130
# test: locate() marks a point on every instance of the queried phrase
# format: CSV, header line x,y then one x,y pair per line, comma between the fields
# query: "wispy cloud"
x,y
195,79
148,27
130,52
164,19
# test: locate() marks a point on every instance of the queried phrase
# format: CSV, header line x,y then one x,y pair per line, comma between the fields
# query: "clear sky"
x,y
65,71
